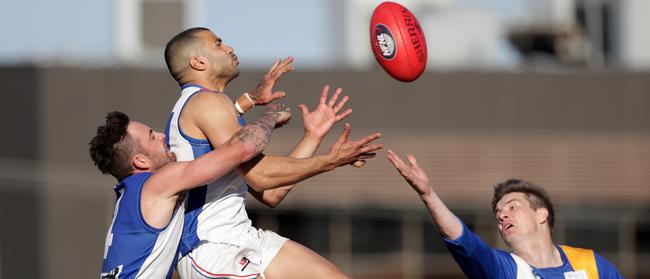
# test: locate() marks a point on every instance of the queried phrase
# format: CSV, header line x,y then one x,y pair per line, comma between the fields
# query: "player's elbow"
x,y
249,151
258,183
271,203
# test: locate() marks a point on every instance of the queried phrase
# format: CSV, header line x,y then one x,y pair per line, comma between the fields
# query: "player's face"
x,y
223,61
516,218
153,144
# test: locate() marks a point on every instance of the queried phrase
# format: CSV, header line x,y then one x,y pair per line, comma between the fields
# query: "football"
x,y
398,42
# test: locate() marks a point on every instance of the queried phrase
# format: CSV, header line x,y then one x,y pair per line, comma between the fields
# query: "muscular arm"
x,y
212,116
473,255
273,197
317,124
160,191
342,152
446,222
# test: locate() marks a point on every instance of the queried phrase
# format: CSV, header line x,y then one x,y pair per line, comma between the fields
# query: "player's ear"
x,y
140,162
542,215
199,63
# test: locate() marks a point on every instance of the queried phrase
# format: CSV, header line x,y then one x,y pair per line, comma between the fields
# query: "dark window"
x,y
309,228
643,237
600,236
376,231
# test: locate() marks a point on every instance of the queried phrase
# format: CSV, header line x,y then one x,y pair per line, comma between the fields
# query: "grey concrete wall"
x,y
20,219
53,220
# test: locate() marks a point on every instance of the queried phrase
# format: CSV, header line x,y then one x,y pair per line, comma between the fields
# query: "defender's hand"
x,y
318,123
413,174
344,152
263,93
282,112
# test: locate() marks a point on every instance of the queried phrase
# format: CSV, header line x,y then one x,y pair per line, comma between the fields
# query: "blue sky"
x,y
259,30
46,28
264,30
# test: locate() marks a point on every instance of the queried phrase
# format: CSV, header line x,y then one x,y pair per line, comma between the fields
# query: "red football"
x,y
398,41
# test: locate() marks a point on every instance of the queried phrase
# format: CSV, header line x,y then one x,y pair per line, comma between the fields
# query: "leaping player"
x,y
218,239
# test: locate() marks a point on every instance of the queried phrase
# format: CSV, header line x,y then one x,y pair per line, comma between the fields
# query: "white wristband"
x,y
249,98
238,108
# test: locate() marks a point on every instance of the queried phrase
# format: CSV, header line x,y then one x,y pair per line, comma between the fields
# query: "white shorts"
x,y
247,259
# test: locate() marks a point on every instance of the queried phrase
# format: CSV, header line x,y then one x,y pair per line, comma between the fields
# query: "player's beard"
x,y
231,72
224,68
163,158
235,74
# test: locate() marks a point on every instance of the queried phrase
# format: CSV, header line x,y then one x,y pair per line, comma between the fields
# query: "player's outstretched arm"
x,y
213,116
317,124
274,171
446,222
263,93
241,147
160,193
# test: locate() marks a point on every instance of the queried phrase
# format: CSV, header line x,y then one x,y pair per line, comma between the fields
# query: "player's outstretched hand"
x,y
344,151
263,93
413,174
318,122
282,112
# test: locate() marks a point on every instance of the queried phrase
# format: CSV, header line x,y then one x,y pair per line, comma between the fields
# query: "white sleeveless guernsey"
x,y
214,212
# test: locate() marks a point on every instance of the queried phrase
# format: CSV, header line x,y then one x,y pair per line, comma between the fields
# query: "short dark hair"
x,y
112,148
536,196
175,44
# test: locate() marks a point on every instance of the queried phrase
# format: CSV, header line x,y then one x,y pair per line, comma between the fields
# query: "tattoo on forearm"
x,y
259,131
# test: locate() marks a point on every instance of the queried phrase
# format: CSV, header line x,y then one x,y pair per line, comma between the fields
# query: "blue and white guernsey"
x,y
214,212
478,260
133,248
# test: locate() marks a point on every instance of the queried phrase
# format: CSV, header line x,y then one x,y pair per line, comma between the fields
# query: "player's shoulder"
x,y
605,268
204,96
209,103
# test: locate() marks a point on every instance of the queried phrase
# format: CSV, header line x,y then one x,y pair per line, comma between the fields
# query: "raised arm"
x,y
317,124
160,193
263,93
273,172
212,116
446,222
241,147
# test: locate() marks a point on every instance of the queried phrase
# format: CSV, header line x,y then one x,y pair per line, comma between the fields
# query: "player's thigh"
x,y
297,261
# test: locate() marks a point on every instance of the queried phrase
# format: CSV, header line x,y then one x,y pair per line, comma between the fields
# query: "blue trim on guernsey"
x,y
195,202
190,139
478,260
169,121
188,85
196,197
